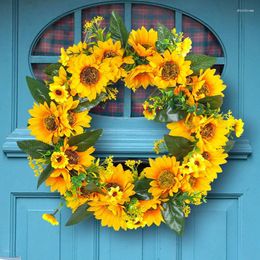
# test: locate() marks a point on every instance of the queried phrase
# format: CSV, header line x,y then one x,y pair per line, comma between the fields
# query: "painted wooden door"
x,y
227,227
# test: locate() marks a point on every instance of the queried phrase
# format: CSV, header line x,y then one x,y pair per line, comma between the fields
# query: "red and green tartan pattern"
x,y
61,34
101,10
149,16
38,70
57,35
203,40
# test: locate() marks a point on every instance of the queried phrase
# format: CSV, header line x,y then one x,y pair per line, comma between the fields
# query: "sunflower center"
x,y
50,123
109,54
59,159
72,156
170,70
208,131
203,90
58,92
115,194
89,75
205,155
146,46
166,179
71,118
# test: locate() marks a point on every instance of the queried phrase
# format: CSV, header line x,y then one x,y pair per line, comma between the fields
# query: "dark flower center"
x,y
208,131
50,123
146,46
166,179
113,185
170,70
71,118
58,92
89,75
72,156
205,155
59,159
109,54
203,90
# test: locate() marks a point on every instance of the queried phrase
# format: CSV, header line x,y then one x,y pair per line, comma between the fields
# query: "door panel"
x,y
227,227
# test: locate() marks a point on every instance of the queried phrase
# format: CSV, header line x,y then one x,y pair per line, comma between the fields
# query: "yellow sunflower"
x,y
196,163
113,54
152,212
110,215
67,56
58,90
118,184
74,201
59,160
185,127
214,157
108,50
149,111
73,123
58,93
59,180
207,84
238,127
143,41
196,183
212,132
44,124
89,78
184,47
140,76
165,174
170,69
77,161
50,218
109,207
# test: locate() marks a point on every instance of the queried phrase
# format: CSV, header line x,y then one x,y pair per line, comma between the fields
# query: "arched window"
x,y
125,115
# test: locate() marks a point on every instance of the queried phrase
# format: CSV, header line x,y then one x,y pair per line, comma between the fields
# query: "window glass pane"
x,y
203,40
38,70
149,16
57,35
112,107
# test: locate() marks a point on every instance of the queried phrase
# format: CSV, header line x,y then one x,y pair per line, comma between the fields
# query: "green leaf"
x,y
117,29
163,33
141,189
87,105
85,140
166,115
214,102
200,61
80,214
39,90
92,187
178,146
44,175
52,69
229,145
173,216
36,149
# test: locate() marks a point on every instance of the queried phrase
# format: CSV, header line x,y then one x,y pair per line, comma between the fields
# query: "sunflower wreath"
x,y
128,195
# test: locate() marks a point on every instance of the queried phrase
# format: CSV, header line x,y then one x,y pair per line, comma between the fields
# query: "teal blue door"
x,y
226,228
